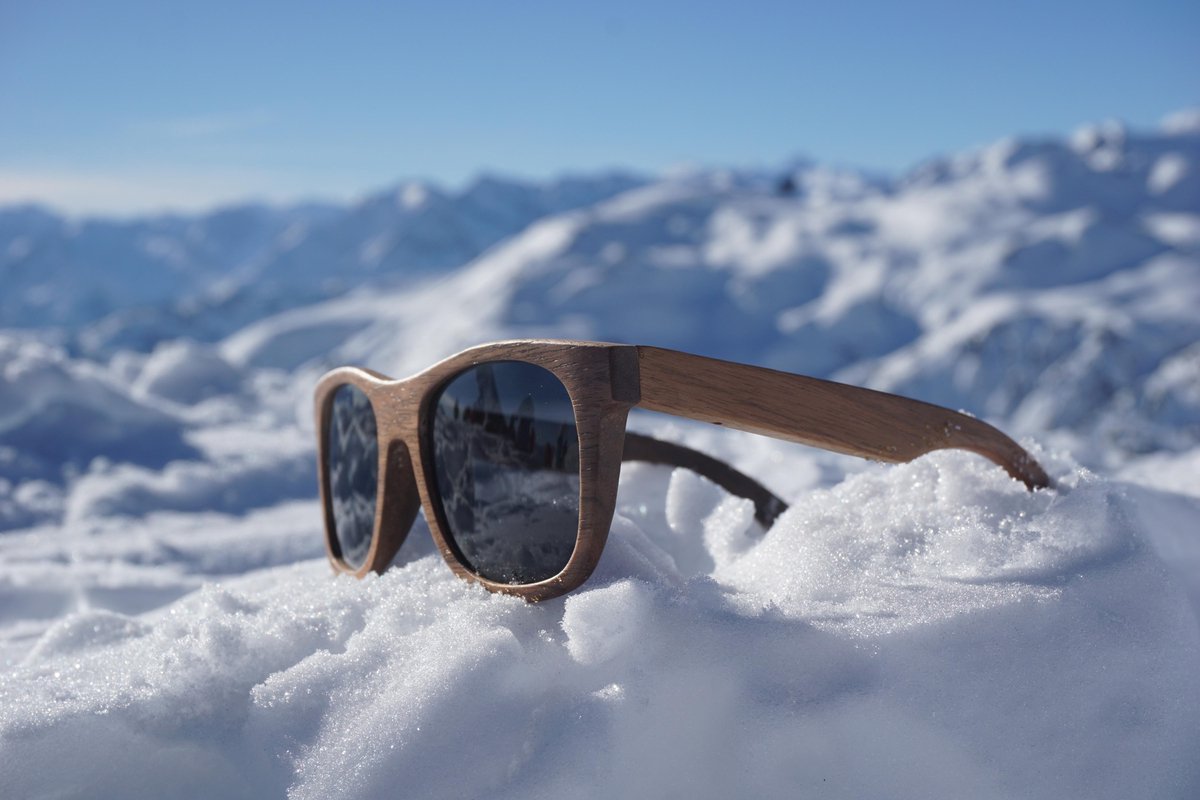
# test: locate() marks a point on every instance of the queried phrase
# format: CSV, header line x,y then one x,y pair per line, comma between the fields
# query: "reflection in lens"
x,y
352,463
506,455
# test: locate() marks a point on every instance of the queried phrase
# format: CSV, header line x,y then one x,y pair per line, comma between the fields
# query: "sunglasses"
x,y
514,449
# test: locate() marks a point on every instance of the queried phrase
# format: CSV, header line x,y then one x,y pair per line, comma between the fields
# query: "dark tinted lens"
x,y
506,455
352,462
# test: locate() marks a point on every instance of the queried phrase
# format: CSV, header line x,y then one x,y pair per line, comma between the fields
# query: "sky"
x,y
127,107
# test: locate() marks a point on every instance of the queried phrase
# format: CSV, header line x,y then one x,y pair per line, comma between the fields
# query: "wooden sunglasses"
x,y
514,449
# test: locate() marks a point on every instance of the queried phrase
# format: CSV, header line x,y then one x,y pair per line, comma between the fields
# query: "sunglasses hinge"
x,y
625,372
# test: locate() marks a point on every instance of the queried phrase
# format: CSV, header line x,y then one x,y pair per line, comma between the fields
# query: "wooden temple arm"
x,y
832,416
655,451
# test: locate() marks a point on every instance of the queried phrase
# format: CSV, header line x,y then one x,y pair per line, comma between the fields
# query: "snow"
x,y
929,629
44,393
186,372
981,641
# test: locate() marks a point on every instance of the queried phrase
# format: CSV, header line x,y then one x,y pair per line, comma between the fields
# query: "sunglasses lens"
x,y
352,464
506,455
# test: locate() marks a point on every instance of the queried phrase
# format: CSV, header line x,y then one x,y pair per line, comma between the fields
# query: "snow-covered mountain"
x,y
115,284
929,629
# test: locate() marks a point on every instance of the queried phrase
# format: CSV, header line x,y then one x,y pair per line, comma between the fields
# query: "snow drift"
x,y
928,630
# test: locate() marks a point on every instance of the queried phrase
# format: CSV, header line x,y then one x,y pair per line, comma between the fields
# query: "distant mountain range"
x,y
133,283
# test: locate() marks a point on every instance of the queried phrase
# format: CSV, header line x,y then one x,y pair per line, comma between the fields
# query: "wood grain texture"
x,y
833,416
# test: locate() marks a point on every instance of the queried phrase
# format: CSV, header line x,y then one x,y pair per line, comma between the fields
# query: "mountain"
x,y
131,284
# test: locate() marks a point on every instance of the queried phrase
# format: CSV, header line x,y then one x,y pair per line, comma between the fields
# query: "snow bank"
x,y
927,630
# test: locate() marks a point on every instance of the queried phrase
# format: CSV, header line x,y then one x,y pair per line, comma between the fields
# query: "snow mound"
x,y
235,483
880,550
58,412
187,372
929,630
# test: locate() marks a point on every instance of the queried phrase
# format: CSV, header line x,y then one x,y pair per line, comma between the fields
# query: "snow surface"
x,y
930,629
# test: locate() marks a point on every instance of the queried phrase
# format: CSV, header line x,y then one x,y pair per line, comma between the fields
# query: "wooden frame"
x,y
604,381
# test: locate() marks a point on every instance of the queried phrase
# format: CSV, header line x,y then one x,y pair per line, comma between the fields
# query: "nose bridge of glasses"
x,y
399,504
396,405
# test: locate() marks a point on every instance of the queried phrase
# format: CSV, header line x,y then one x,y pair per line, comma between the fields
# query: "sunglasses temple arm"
x,y
832,416
767,506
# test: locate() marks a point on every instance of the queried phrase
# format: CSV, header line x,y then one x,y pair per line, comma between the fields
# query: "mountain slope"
x,y
134,283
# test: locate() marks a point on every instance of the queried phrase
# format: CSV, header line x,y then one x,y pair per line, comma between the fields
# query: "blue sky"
x,y
128,106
